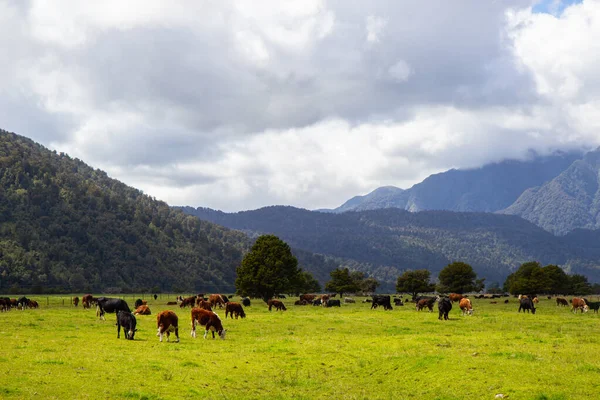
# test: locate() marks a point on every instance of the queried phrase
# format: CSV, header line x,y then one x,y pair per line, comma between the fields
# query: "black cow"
x,y
398,302
444,307
333,303
594,305
155,297
526,304
316,302
110,305
23,303
246,302
384,301
138,303
126,320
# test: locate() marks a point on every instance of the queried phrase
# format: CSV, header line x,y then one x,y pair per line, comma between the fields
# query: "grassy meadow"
x,y
63,352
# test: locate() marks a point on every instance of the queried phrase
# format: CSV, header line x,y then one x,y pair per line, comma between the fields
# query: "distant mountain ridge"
x,y
490,188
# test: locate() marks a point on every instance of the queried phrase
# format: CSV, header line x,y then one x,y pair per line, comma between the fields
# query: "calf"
x,y
594,306
279,306
333,303
128,322
444,307
75,301
526,304
110,305
167,322
236,309
246,302
466,307
209,320
142,310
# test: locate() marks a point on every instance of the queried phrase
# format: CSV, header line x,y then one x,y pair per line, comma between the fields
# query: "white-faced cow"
x,y
128,322
209,320
110,305
167,322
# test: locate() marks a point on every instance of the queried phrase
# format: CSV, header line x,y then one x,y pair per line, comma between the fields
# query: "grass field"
x,y
307,352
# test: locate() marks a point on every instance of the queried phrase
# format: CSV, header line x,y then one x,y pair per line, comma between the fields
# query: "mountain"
x,y
569,201
65,226
490,188
385,242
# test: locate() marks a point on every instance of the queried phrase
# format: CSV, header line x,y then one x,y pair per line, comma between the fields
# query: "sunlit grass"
x,y
307,352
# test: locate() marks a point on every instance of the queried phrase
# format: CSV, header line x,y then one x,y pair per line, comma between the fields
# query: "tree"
x,y
459,277
579,285
369,285
555,280
268,269
532,278
305,283
342,281
494,288
415,282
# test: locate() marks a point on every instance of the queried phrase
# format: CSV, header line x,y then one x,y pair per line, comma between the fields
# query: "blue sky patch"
x,y
554,7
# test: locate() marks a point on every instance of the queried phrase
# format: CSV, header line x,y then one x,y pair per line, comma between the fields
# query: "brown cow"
x,y
536,300
579,304
215,299
209,320
560,301
455,297
204,304
234,309
167,322
465,306
188,301
142,310
324,299
33,304
279,306
88,300
427,302
75,301
308,297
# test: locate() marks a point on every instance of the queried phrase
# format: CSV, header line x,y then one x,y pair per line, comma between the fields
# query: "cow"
x,y
137,303
167,322
317,302
425,302
594,306
308,297
379,300
301,303
246,302
216,299
348,300
127,321
465,306
188,301
155,297
88,300
234,309
455,297
279,306
142,310
506,301
579,304
444,307
204,304
110,305
324,299
33,304
398,302
75,301
333,303
561,301
23,303
536,300
171,303
526,304
209,320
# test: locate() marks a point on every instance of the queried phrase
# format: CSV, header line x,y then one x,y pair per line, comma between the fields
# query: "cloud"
x,y
237,105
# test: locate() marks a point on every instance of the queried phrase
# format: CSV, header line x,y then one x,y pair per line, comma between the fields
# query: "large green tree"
x,y
343,281
579,285
459,277
415,282
532,278
305,283
268,269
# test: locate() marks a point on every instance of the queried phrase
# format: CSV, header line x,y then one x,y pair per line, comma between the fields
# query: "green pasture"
x,y
63,352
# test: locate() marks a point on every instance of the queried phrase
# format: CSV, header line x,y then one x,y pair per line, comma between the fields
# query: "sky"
x,y
236,105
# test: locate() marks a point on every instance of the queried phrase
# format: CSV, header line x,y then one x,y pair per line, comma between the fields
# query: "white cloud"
x,y
400,71
375,27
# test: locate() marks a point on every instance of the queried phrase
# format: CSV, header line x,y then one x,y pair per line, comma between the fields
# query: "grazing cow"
x,y
128,322
204,304
333,303
301,303
88,300
171,303
348,300
234,309
110,305
455,297
465,306
188,301
536,300
594,306
246,302
308,297
216,299
142,310
279,306
561,301
209,320
155,297
317,302
167,322
425,302
398,302
579,304
75,301
23,303
444,307
379,300
526,304
33,304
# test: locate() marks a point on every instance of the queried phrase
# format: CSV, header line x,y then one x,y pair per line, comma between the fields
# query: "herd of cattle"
x,y
202,314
